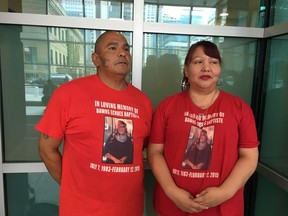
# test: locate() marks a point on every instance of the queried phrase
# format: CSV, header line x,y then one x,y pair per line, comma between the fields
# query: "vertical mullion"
x,y
137,43
2,200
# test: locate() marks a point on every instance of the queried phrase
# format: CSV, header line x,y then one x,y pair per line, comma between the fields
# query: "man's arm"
x,y
48,148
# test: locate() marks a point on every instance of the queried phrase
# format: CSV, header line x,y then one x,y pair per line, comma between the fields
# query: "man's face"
x,y
113,55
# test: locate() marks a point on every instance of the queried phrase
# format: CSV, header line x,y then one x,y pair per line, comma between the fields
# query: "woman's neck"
x,y
203,100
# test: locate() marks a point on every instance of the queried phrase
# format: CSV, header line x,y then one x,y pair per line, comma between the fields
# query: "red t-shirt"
x,y
85,113
228,123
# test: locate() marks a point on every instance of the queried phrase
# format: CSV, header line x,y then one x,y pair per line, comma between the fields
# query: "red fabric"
x,y
230,124
76,113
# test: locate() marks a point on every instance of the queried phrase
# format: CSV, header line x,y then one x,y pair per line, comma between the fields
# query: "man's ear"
x,y
95,59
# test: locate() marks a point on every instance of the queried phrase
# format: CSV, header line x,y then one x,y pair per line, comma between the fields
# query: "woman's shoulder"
x,y
234,101
231,97
169,104
175,98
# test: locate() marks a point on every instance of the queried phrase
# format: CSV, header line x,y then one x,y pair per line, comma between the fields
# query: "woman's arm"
x,y
182,198
241,172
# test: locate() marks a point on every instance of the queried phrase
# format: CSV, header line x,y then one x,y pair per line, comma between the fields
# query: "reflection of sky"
x,y
204,16
175,12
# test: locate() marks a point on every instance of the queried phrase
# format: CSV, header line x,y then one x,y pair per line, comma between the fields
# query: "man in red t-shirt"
x,y
83,113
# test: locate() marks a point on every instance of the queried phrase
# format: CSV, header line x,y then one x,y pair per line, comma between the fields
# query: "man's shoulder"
x,y
139,93
77,83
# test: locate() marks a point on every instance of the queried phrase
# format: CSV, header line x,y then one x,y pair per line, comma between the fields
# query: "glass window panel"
x,y
28,6
164,57
279,12
274,147
203,16
169,14
89,51
150,13
90,71
162,69
266,206
66,54
262,14
31,194
69,8
229,13
109,9
149,181
112,10
71,35
127,11
115,9
32,56
35,54
238,67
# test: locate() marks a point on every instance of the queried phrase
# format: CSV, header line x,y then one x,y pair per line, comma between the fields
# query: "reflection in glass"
x,y
274,147
162,70
31,194
279,12
228,13
37,194
115,9
238,67
92,8
173,14
164,59
204,16
37,60
264,206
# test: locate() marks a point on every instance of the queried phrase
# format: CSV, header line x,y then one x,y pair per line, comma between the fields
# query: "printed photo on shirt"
x,y
199,148
118,146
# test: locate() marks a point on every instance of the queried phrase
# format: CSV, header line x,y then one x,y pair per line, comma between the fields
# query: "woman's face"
x,y
203,71
121,129
203,137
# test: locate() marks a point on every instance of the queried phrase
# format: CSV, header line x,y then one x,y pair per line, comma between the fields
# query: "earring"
x,y
220,81
185,83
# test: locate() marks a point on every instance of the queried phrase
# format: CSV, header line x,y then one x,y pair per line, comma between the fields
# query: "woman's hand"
x,y
185,201
211,197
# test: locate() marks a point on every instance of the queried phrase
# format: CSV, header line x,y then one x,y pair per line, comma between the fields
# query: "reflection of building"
x,y
175,15
62,50
56,50
69,50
